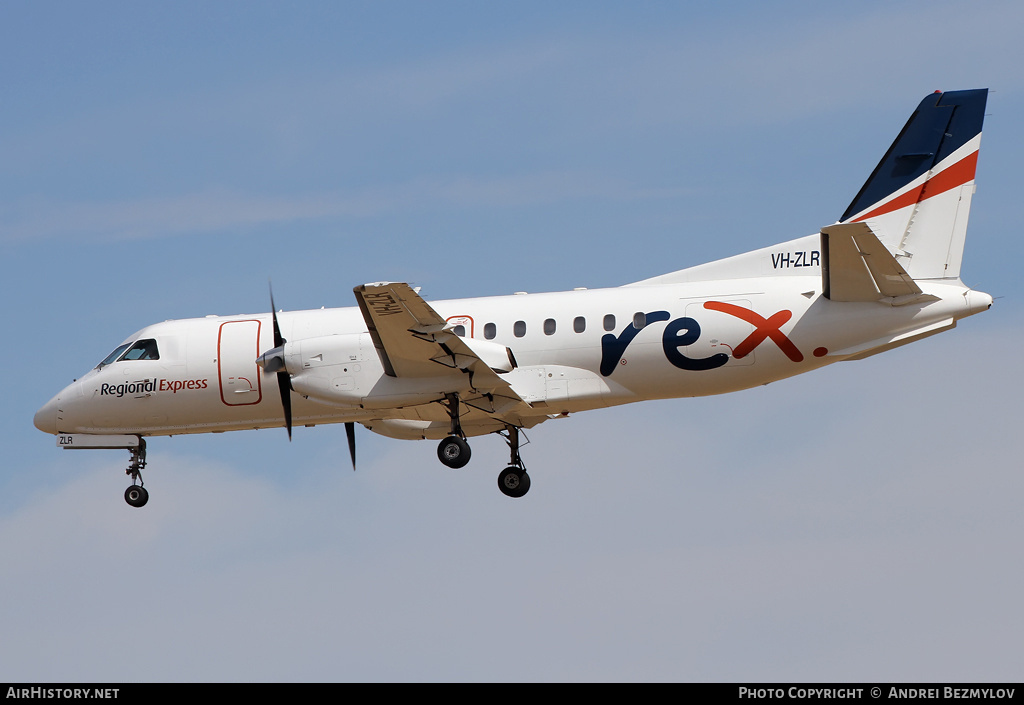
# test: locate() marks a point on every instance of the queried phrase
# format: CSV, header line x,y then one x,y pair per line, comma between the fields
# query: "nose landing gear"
x,y
136,495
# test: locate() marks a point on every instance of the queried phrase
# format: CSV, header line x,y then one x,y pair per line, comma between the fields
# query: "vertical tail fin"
x,y
918,197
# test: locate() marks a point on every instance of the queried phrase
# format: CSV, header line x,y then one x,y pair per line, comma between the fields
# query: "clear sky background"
x,y
162,160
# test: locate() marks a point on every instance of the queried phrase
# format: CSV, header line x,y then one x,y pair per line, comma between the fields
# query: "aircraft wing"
x,y
413,340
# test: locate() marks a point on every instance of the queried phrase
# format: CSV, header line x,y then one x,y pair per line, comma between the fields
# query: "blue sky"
x,y
163,160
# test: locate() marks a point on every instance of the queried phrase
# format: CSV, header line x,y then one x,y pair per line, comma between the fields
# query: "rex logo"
x,y
763,328
685,331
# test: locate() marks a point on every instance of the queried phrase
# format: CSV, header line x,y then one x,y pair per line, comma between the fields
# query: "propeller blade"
x,y
350,432
285,385
276,364
278,340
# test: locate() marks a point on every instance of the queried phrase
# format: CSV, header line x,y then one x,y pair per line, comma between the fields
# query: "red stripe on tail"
x,y
956,175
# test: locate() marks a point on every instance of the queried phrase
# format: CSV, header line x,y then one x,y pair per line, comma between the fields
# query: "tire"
x,y
453,452
136,496
513,482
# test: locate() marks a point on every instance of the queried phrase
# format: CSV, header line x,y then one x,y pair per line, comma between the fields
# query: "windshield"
x,y
140,350
114,355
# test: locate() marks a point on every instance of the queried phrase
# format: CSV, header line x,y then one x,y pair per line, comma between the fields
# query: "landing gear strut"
x,y
453,451
513,480
137,495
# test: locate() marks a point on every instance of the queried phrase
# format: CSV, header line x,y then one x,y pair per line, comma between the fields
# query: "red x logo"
x,y
763,328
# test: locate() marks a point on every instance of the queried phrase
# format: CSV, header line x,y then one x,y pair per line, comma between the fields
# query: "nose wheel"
x,y
136,495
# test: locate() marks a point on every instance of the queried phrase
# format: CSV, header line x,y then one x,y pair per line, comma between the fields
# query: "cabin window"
x,y
579,324
609,322
142,350
459,330
549,326
639,320
519,329
490,331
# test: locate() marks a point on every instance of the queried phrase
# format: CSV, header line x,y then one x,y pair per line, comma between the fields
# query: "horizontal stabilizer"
x,y
856,266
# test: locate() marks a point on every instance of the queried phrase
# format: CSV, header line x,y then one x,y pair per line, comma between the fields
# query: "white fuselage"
x,y
575,350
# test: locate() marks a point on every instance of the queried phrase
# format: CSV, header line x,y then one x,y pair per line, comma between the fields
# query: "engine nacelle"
x,y
344,370
495,355
332,369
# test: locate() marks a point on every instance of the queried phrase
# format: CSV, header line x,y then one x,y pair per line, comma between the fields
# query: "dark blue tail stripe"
x,y
942,123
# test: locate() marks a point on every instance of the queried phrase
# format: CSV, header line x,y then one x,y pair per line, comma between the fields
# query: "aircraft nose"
x,y
46,418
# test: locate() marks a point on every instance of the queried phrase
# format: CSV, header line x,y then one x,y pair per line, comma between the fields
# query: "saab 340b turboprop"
x,y
886,274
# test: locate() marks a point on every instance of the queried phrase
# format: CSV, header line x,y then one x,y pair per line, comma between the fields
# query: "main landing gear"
x,y
136,495
513,480
454,452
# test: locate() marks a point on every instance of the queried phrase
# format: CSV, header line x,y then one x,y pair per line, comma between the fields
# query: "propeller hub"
x,y
272,360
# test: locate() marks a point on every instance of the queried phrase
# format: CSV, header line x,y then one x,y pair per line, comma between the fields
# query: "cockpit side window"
x,y
114,355
142,350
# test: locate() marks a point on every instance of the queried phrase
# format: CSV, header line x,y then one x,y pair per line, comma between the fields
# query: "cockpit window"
x,y
114,355
142,350
139,350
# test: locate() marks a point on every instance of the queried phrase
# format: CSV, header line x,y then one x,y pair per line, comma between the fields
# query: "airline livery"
x,y
886,274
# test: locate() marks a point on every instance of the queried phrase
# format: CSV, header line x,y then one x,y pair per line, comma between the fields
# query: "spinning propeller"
x,y
273,361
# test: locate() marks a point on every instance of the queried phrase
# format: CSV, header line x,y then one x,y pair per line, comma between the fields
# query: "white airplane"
x,y
886,274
